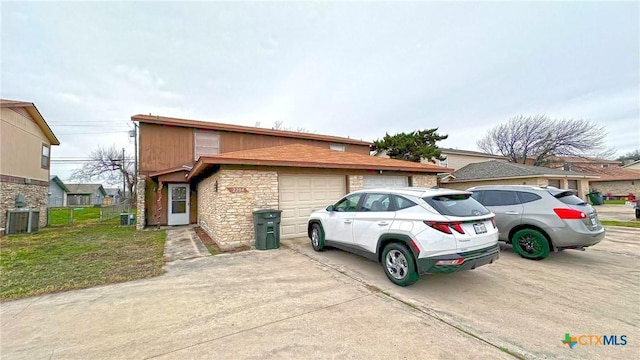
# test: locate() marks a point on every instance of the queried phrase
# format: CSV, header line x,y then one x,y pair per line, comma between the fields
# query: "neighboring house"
x,y
114,196
633,166
457,159
216,175
25,158
581,164
57,192
505,173
85,194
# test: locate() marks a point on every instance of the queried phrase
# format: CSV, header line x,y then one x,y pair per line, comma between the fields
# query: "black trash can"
x,y
266,224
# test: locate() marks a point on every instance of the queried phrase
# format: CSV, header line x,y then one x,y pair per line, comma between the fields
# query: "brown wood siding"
x,y
232,141
164,147
152,205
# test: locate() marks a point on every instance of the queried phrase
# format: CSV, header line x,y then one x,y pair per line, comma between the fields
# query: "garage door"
x,y
301,194
371,181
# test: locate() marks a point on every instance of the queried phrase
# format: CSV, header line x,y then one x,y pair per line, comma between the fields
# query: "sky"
x,y
350,69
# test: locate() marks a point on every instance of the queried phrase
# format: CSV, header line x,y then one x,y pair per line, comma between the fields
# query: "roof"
x,y
499,169
307,156
56,179
112,191
631,164
163,120
35,114
581,160
471,153
615,174
86,189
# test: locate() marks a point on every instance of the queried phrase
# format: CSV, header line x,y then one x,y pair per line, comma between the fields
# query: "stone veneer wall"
x,y
227,216
356,182
140,193
618,188
424,180
35,196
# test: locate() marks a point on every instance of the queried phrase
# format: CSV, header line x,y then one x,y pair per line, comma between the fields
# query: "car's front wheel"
x,y
317,240
530,244
399,264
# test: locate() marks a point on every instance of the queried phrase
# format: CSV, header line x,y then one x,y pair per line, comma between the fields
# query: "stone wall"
x,y
35,196
618,188
356,182
140,195
227,199
424,180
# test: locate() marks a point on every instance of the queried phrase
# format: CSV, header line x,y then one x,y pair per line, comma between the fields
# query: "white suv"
x,y
412,231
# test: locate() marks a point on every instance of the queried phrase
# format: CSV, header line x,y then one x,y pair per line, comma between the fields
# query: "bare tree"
x,y
540,138
108,164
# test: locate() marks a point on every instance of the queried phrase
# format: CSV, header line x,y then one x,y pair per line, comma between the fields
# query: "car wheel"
x,y
317,239
530,244
399,265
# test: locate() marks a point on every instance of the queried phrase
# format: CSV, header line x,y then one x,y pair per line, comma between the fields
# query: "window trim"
x,y
48,156
195,142
338,147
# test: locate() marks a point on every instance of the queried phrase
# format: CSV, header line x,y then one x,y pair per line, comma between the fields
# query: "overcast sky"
x,y
347,69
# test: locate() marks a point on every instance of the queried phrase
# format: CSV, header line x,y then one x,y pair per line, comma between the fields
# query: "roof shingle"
x,y
499,169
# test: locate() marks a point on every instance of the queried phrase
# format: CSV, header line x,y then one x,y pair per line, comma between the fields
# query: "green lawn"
x,y
614,202
633,224
61,216
78,256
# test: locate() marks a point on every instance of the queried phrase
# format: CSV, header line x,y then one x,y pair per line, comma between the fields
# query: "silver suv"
x,y
537,220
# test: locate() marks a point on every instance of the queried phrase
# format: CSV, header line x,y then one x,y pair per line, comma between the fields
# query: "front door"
x,y
178,204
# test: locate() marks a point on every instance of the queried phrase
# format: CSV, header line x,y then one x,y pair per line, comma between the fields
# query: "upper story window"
x,y
336,147
46,158
604,166
205,144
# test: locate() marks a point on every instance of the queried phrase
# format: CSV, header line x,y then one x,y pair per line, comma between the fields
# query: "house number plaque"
x,y
237,189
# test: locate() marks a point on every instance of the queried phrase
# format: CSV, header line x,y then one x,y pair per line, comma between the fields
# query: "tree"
x,y
413,146
630,156
109,165
540,139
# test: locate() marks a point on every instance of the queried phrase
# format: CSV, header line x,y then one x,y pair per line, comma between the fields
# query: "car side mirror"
x,y
330,208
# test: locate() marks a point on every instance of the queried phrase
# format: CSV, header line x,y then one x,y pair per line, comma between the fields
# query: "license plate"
x,y
593,221
479,228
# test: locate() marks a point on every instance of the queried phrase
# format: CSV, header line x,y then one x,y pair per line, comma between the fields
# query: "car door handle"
x,y
512,213
347,221
383,223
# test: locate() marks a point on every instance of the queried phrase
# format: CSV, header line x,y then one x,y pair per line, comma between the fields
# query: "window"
x,y
572,184
526,197
499,198
45,160
336,147
554,183
604,166
403,203
566,167
206,144
376,202
445,162
456,205
348,204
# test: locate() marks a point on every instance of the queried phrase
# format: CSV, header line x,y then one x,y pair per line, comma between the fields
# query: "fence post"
x,y
48,216
101,215
70,215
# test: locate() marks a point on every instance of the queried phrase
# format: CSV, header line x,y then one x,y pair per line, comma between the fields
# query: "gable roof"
x,y
616,174
86,189
471,153
112,191
631,164
499,169
56,179
198,124
307,156
35,114
580,160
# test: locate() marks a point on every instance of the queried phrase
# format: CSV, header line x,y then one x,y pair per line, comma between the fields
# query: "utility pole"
x,y
124,177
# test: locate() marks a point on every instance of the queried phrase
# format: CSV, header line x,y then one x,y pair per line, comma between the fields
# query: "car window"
x,y
348,204
569,198
457,205
499,198
402,203
376,202
476,195
526,197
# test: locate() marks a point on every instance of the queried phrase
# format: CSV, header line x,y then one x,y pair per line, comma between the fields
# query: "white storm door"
x,y
178,204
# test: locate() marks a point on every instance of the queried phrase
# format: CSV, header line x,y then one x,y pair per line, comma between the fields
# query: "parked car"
x,y
537,220
411,231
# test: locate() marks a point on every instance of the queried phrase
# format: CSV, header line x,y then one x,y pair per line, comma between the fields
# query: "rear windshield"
x,y
569,198
456,205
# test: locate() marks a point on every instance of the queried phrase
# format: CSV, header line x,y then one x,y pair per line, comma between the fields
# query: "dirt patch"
x,y
214,249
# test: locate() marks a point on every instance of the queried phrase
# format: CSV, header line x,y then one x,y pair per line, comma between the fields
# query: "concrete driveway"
x,y
616,212
250,305
527,306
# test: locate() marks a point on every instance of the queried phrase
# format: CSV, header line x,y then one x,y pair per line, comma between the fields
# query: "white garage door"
x,y
301,194
380,181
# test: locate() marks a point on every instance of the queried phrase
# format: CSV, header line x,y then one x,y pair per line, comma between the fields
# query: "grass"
x,y
61,216
614,202
632,224
76,257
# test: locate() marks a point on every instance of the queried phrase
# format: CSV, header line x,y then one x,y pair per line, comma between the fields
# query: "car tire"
x,y
530,244
399,264
317,237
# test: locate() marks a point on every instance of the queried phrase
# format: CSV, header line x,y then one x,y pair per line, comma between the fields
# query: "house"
x,y
633,165
85,194
499,172
25,157
57,192
114,196
457,159
217,174
581,164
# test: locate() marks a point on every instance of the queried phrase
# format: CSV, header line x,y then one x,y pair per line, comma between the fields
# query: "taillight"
x,y
493,221
569,214
446,227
